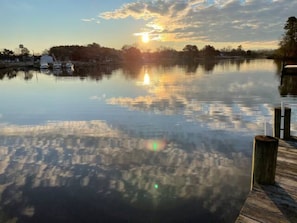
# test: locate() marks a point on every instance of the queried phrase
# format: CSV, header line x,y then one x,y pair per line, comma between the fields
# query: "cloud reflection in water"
x,y
232,100
94,159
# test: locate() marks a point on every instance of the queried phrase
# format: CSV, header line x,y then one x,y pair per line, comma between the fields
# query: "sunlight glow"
x,y
145,38
146,79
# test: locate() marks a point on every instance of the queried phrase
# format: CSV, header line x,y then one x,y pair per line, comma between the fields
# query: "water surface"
x,y
134,144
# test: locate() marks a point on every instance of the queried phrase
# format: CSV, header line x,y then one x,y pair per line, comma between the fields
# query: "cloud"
x,y
219,21
91,20
97,98
88,20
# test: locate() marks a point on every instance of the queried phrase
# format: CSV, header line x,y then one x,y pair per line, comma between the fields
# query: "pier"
x,y
273,195
289,69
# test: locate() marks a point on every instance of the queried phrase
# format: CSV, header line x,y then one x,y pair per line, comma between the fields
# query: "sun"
x,y
145,37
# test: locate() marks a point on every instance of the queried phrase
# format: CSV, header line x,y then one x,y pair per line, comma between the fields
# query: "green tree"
x,y
209,51
6,54
92,52
25,51
131,54
288,44
190,48
190,52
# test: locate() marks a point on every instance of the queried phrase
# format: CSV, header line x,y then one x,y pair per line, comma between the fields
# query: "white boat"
x,y
57,72
69,65
44,66
57,65
45,61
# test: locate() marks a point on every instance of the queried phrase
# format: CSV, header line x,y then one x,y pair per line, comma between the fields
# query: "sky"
x,y
147,24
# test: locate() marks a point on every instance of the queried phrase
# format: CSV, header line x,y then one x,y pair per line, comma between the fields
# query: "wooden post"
x,y
287,122
277,120
264,159
286,128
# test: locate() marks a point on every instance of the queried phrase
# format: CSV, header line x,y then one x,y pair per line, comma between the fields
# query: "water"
x,y
134,144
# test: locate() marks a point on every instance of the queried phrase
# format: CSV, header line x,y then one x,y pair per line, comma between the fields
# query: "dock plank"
x,y
275,203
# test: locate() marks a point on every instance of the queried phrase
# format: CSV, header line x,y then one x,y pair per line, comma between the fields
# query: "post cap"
x,y
265,138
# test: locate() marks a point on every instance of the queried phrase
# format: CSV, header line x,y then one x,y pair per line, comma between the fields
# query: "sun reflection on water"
x,y
146,78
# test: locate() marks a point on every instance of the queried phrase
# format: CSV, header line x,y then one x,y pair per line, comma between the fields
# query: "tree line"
x,y
95,53
130,53
190,53
288,44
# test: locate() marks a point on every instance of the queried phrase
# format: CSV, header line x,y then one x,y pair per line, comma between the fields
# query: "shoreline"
x,y
30,64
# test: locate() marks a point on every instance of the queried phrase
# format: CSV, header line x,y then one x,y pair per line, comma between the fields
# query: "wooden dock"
x,y
275,203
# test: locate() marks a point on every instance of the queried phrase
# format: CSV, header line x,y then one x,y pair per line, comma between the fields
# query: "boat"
x,y
57,65
69,66
57,72
289,69
44,66
45,61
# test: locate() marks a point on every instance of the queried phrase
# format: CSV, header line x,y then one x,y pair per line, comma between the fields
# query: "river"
x,y
146,143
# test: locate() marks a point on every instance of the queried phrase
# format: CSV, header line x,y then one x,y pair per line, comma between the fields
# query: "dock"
x,y
289,69
275,203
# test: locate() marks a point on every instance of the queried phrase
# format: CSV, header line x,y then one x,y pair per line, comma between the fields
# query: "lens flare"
x,y
155,145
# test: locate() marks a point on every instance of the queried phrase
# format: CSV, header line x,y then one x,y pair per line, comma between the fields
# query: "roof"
x,y
291,66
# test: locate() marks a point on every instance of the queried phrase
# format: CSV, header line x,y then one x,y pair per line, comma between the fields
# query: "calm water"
x,y
134,144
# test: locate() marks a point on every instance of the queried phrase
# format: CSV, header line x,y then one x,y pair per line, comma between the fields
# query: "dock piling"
x,y
264,160
282,122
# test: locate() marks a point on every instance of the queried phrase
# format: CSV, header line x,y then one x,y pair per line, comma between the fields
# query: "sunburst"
x,y
145,38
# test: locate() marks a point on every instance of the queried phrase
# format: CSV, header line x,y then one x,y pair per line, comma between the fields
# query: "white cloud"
x,y
98,98
88,20
214,21
95,98
91,20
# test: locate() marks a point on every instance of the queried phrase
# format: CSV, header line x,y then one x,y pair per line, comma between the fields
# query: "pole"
x,y
264,159
282,122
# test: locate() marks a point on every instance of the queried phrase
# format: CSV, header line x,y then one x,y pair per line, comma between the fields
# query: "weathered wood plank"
x,y
275,203
259,207
287,155
242,219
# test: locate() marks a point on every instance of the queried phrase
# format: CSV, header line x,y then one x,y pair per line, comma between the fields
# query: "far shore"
x,y
30,64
